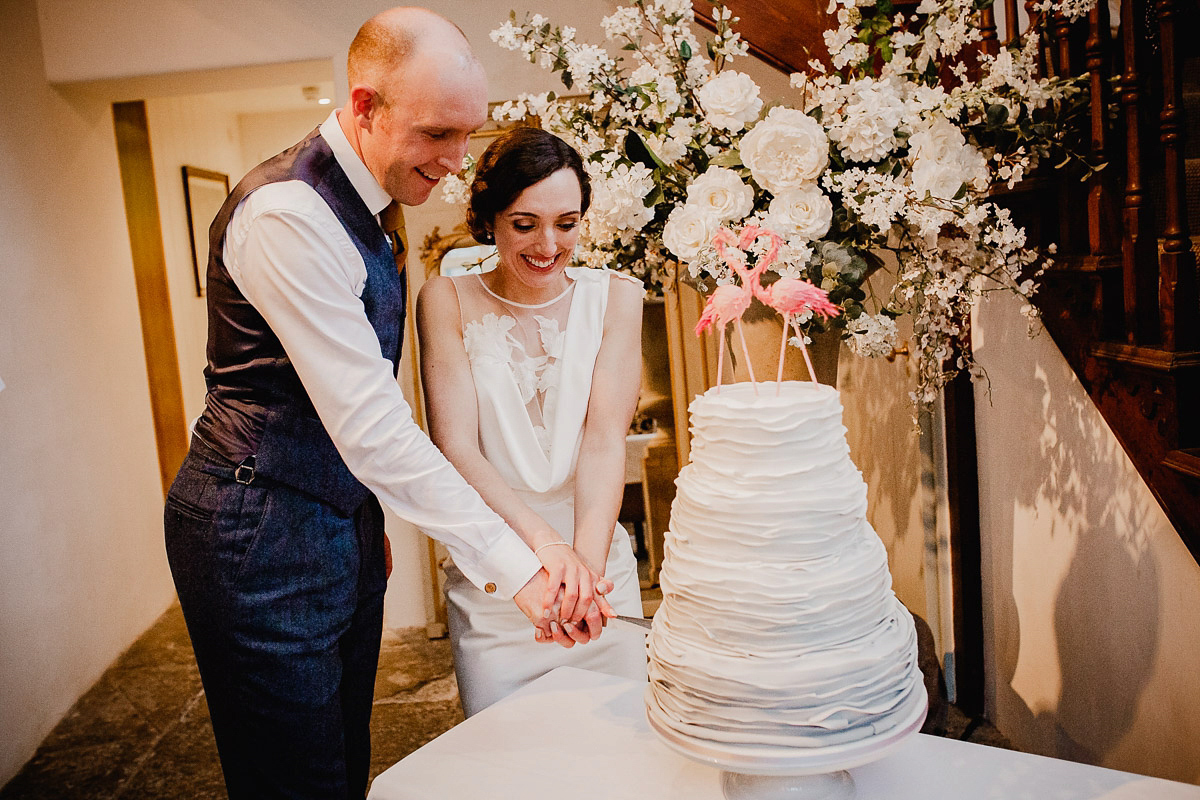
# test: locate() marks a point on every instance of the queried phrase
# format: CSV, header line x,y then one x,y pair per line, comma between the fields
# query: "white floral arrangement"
x,y
891,144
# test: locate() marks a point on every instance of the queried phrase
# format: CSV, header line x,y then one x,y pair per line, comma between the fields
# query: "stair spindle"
x,y
1103,221
1138,246
990,44
1177,263
1062,38
1103,224
1012,22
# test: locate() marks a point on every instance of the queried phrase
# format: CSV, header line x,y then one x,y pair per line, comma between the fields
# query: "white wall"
x,y
82,566
1091,633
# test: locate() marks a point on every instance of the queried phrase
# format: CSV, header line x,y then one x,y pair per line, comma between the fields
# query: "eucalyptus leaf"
x,y
855,271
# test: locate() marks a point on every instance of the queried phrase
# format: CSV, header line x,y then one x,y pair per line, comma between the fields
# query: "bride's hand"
x,y
588,629
581,587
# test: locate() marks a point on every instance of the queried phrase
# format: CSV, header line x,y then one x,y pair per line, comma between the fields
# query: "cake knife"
x,y
638,621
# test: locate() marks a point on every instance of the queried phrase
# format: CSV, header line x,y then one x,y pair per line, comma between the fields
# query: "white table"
x,y
584,736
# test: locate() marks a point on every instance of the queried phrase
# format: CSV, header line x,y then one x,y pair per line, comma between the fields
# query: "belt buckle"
x,y
244,472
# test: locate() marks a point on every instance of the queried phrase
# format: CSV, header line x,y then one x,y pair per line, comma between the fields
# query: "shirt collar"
x,y
360,177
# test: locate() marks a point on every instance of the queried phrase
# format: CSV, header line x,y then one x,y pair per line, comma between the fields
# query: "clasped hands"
x,y
565,599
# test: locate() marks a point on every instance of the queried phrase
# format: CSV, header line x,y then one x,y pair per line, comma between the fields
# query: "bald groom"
x,y
274,525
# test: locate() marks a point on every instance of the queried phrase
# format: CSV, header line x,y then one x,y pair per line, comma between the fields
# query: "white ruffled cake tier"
x,y
778,624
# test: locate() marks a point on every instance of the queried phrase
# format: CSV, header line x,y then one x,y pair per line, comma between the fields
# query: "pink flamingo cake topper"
x,y
788,296
730,301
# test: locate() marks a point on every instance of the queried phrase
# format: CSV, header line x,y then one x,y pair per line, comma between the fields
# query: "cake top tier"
x,y
798,427
802,397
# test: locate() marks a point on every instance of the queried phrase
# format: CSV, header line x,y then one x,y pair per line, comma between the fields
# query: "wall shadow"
x,y
1105,611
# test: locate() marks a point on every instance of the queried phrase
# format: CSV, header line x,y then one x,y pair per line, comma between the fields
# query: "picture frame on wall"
x,y
204,191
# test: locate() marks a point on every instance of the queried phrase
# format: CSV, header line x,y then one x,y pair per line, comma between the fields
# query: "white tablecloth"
x,y
584,736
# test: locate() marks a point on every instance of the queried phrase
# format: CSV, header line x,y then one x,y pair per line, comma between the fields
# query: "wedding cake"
x,y
778,624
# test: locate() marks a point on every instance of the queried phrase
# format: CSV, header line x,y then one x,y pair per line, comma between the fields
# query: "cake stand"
x,y
764,772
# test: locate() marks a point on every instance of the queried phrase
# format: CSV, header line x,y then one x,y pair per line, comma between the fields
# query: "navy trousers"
x,y
283,599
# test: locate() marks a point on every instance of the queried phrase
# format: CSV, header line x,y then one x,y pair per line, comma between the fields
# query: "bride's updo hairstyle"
x,y
509,166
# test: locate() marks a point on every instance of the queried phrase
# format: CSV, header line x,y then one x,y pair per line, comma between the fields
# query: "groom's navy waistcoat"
x,y
256,404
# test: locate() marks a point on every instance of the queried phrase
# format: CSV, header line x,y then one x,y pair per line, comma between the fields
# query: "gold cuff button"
x,y
489,587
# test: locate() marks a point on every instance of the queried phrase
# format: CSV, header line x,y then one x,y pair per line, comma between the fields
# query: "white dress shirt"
x,y
292,259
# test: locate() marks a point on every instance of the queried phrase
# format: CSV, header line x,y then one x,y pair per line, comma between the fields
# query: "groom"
x,y
274,528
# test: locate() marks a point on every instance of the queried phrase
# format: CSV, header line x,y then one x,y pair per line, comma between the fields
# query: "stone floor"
x,y
143,730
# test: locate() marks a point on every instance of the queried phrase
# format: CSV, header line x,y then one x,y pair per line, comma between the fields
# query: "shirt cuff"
x,y
504,569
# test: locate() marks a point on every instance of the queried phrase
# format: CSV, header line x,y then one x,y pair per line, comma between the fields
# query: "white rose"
x,y
730,100
722,193
803,213
934,178
939,140
689,230
785,150
943,161
867,137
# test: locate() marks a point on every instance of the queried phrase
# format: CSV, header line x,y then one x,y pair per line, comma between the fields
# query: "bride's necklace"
x,y
515,304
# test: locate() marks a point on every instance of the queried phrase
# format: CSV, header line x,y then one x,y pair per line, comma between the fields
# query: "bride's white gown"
x,y
532,367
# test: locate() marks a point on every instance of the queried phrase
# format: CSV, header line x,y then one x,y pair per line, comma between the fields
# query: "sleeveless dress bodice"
x,y
532,368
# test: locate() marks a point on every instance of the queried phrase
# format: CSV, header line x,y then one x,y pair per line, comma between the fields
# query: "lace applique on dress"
x,y
489,337
552,343
536,376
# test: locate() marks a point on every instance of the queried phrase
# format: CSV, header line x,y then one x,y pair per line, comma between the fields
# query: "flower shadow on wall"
x,y
1071,548
1106,612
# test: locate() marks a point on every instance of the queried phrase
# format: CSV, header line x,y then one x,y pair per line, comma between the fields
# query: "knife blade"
x,y
638,621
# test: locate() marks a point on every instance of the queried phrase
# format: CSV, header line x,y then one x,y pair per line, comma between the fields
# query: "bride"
x,y
531,374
